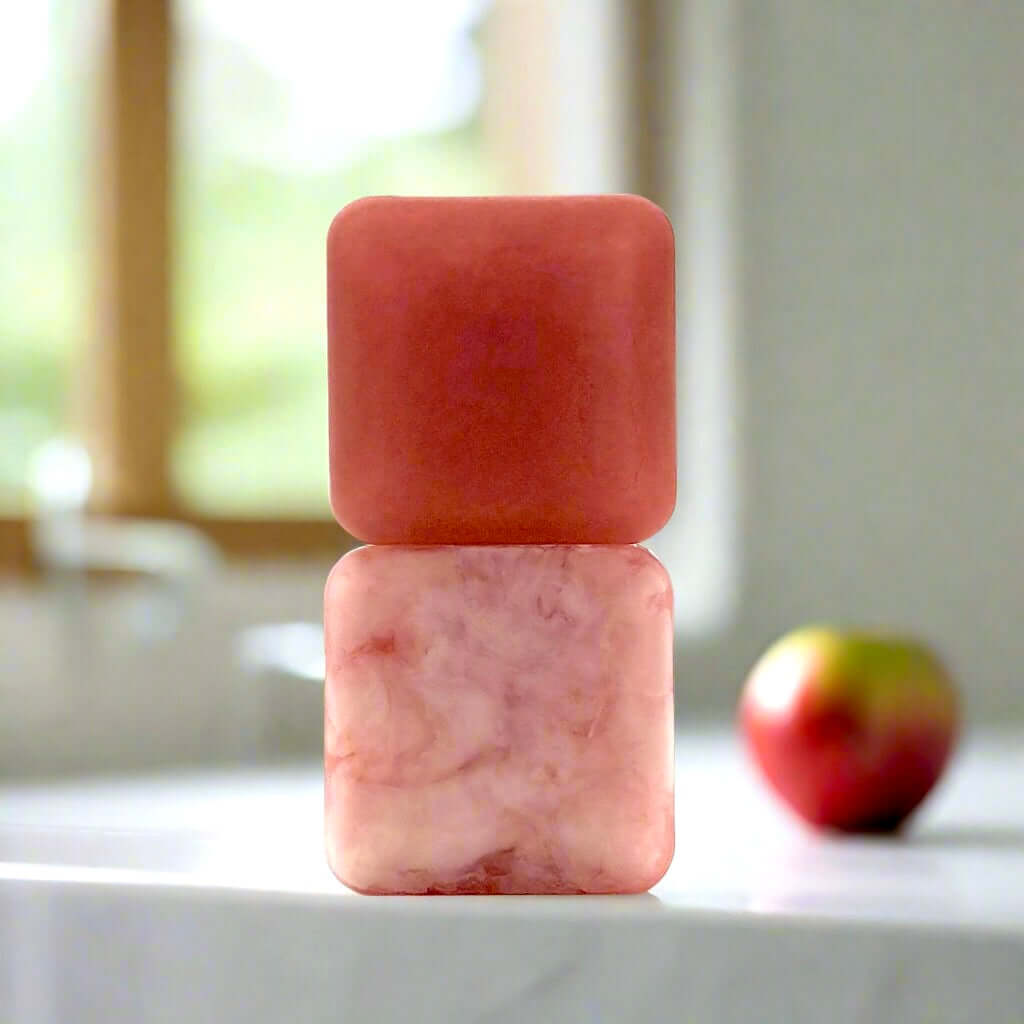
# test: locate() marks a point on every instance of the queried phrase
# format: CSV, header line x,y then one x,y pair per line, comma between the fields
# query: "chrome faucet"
x,y
175,559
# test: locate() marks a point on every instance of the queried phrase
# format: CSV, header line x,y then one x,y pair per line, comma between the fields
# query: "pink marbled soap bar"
x,y
499,719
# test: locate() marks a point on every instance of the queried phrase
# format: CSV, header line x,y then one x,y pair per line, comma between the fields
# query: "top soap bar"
x,y
501,370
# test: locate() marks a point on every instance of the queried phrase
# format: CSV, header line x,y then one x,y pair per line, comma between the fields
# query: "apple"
x,y
852,729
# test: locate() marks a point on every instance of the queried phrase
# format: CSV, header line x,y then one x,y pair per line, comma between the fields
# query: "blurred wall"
x,y
865,198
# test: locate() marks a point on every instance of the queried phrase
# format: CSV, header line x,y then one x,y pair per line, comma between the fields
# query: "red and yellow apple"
x,y
852,729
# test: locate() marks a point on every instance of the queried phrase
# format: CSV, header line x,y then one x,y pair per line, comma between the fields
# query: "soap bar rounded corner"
x,y
658,511
650,210
341,221
348,514
649,564
343,567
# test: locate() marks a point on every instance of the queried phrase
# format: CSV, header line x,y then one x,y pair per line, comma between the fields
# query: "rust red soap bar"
x,y
501,370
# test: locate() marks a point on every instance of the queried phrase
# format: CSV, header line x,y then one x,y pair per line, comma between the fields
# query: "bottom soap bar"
x,y
499,719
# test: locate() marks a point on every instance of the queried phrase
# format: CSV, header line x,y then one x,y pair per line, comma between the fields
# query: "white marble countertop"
x,y
205,897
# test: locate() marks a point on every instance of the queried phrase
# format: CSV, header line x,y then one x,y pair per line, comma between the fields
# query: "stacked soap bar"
x,y
498,703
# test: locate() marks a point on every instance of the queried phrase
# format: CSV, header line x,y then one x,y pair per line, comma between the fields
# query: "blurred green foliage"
x,y
249,280
251,316
43,261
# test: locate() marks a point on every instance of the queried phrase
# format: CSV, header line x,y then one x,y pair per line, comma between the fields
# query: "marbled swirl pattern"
x,y
499,719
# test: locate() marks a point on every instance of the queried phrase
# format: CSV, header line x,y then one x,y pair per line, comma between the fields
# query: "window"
x,y
284,115
47,79
168,174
